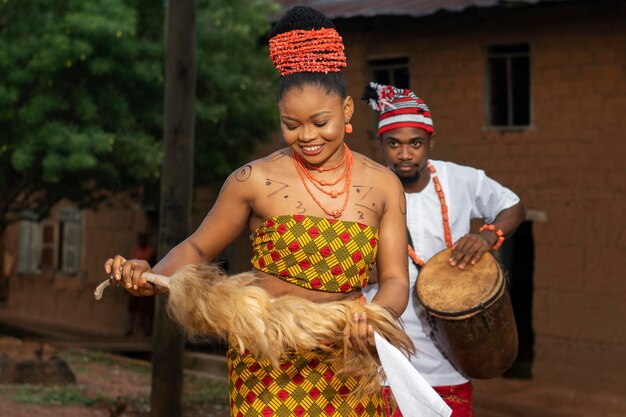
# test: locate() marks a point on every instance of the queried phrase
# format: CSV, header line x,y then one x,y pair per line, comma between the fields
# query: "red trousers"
x,y
458,398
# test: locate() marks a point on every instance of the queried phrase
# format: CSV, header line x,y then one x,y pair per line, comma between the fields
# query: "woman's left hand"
x,y
359,335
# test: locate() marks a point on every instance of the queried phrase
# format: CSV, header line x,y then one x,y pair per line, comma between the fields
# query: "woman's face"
x,y
313,123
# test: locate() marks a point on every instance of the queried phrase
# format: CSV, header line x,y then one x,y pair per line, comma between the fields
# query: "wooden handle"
x,y
160,280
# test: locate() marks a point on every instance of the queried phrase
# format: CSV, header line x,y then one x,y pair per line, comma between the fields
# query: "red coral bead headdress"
x,y
318,50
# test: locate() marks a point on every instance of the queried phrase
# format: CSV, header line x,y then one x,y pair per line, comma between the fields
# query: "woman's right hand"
x,y
128,274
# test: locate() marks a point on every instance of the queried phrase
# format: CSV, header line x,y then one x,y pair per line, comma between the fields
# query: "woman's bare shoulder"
x,y
249,176
282,155
373,168
258,167
378,175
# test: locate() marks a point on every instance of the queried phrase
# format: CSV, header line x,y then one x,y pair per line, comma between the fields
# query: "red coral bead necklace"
x,y
444,215
302,167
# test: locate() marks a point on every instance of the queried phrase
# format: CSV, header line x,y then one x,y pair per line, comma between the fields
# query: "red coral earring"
x,y
348,127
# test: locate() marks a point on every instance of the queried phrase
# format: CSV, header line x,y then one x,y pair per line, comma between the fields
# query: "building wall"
x,y
567,167
66,302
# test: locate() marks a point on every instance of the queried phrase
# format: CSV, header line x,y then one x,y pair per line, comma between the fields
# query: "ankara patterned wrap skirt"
x,y
303,385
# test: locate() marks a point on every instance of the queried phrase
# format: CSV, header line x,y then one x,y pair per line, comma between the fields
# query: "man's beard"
x,y
408,180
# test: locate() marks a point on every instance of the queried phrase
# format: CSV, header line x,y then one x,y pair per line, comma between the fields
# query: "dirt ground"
x,y
115,386
106,386
11,409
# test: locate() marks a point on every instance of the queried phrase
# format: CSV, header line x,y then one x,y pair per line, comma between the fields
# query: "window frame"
x,y
372,66
488,54
65,245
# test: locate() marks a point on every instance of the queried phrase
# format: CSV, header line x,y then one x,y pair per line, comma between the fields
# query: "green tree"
x,y
81,96
80,102
236,99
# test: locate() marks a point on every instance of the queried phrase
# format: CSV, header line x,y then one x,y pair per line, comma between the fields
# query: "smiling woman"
x,y
319,215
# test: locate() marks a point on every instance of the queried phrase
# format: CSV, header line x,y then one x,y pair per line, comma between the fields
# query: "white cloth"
x,y
412,393
469,194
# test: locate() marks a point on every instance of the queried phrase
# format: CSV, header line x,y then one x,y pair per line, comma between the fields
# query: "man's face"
x,y
406,151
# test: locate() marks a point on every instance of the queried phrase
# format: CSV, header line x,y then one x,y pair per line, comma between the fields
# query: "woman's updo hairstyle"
x,y
290,49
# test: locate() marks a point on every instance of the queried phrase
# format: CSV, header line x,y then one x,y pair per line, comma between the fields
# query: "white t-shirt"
x,y
469,194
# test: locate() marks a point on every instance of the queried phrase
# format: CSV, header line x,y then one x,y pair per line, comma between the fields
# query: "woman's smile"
x,y
312,149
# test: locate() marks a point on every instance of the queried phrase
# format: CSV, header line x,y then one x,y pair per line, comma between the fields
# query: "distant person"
x,y
141,309
441,199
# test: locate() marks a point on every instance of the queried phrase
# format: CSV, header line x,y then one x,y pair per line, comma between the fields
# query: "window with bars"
x,y
391,72
508,84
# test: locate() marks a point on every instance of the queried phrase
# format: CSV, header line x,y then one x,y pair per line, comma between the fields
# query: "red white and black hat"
x,y
398,108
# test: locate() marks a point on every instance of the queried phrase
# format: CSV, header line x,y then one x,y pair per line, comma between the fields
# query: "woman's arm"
x,y
220,227
391,261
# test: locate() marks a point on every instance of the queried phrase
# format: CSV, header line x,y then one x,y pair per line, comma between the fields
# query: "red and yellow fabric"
x,y
319,254
304,384
316,253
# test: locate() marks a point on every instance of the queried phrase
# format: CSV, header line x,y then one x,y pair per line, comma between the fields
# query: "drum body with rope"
x,y
470,313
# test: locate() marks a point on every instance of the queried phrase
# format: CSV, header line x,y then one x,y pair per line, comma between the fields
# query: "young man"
x,y
441,199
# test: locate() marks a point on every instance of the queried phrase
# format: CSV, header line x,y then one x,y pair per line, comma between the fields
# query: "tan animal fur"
x,y
205,301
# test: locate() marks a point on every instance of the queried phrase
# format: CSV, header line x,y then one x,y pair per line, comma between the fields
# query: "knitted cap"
x,y
398,108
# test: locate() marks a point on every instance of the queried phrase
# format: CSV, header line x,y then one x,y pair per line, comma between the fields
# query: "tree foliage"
x,y
81,96
236,85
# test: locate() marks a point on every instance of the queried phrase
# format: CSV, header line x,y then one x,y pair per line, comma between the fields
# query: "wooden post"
x,y
176,194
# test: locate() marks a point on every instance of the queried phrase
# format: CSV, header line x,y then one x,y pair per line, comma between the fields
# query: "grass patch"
x,y
59,395
76,358
201,390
